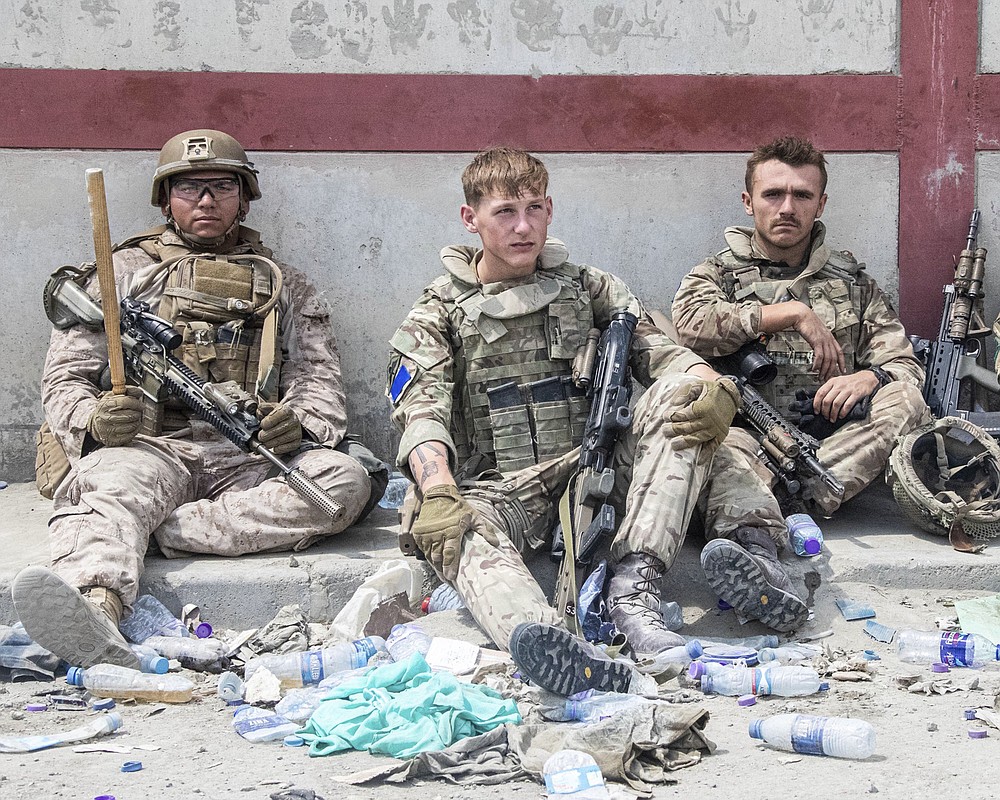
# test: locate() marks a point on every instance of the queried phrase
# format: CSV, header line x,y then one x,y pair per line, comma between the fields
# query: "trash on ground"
x,y
981,615
841,737
854,609
92,728
572,773
879,632
150,617
393,576
262,725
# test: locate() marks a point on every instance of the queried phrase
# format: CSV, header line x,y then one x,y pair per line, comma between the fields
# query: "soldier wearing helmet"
x,y
121,472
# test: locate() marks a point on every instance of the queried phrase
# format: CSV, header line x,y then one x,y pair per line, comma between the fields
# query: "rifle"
x,y
147,345
954,356
584,512
787,451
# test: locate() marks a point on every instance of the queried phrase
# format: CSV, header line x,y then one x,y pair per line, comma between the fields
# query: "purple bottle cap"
x,y
940,666
105,797
696,669
812,546
36,707
747,700
978,734
970,713
203,630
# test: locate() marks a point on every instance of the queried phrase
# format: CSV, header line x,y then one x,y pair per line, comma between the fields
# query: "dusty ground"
x,y
922,743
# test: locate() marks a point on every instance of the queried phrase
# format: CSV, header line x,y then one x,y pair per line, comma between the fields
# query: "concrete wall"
x,y
367,227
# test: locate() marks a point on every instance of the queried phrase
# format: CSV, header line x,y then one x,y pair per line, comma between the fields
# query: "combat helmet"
x,y
204,149
945,477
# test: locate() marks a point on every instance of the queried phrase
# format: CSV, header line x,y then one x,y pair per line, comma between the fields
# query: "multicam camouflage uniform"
x,y
189,487
717,309
462,338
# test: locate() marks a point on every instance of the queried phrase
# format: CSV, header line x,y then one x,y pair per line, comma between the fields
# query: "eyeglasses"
x,y
191,189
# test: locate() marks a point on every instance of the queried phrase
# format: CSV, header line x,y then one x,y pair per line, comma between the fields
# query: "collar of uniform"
x,y
742,242
247,242
460,261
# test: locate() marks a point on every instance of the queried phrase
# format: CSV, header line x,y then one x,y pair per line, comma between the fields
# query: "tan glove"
x,y
280,429
116,418
444,518
708,418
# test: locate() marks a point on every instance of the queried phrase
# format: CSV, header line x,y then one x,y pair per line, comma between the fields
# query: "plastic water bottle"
x,y
230,689
841,737
299,704
261,725
789,653
444,598
395,491
953,649
312,666
150,617
108,680
659,662
753,642
573,773
405,640
777,680
804,535
590,706
149,660
201,655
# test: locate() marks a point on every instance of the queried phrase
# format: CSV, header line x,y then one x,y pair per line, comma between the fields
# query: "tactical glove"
x,y
280,430
116,418
816,425
708,418
444,518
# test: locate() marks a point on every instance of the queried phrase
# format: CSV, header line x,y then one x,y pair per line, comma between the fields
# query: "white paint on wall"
x,y
550,37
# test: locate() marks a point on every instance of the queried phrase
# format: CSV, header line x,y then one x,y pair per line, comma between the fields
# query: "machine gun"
x,y
952,360
147,345
584,512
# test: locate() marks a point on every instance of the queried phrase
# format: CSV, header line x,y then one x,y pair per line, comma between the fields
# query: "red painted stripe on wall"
x,y
98,109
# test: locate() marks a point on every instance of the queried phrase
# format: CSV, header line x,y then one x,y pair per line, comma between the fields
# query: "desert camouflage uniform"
x,y
192,489
718,307
434,399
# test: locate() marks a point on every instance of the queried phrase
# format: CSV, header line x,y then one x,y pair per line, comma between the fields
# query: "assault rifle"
x,y
787,451
584,512
954,356
147,345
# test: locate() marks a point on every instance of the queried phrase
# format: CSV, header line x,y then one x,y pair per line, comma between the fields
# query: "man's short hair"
x,y
788,150
505,172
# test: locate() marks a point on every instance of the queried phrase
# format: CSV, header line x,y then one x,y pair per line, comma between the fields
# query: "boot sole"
x,y
557,661
737,579
60,619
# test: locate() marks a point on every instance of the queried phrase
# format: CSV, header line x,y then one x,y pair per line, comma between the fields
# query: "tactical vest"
x,y
518,402
833,293
225,308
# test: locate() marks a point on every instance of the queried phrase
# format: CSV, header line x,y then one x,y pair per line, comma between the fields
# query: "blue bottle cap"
x,y
824,687
131,766
74,676
978,734
36,707
294,741
754,729
103,705
105,797
970,713
812,546
694,648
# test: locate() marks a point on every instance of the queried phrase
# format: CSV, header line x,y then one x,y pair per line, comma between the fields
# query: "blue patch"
x,y
402,379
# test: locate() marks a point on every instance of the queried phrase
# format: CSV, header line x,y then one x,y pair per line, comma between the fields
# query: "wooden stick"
x,y
106,277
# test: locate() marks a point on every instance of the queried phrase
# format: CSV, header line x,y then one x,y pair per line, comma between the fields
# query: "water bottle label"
x,y
807,735
573,780
311,667
364,649
957,649
244,726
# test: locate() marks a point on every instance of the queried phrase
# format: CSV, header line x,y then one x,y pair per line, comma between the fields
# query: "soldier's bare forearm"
x,y
429,465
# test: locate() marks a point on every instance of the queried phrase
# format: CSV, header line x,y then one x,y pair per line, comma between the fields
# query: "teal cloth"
x,y
402,709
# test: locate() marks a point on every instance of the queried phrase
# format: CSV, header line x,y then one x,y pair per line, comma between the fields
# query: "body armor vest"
x,y
224,307
518,403
832,293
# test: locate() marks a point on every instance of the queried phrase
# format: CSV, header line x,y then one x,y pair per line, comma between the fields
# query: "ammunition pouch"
x,y
51,463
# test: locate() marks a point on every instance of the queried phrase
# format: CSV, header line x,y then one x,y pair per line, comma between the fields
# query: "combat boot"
x,y
745,572
557,661
634,605
79,628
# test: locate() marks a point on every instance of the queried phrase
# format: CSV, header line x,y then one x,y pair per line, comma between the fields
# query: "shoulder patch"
x,y
399,383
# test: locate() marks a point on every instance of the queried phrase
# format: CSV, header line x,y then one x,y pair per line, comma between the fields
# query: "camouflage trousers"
x,y
657,484
857,452
193,495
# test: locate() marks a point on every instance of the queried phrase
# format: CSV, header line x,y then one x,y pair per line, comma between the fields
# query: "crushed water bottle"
x,y
230,688
575,774
201,655
150,617
299,704
261,725
405,640
777,680
804,535
789,653
660,662
953,649
590,706
841,737
108,680
395,491
312,666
